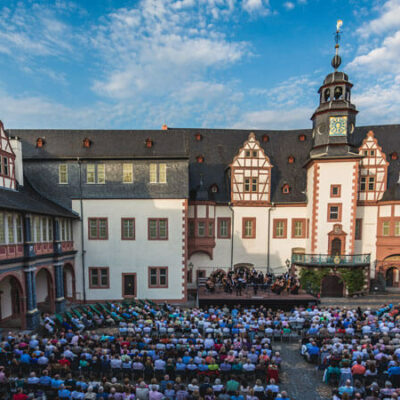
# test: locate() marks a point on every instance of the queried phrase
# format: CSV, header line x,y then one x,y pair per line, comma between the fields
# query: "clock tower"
x,y
335,118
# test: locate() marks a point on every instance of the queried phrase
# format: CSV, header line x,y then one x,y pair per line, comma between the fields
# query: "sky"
x,y
254,64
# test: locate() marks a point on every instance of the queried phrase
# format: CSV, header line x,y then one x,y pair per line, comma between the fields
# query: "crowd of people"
x,y
358,351
243,278
146,351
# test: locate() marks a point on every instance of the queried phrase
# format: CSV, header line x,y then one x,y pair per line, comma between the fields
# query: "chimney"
x,y
164,127
16,145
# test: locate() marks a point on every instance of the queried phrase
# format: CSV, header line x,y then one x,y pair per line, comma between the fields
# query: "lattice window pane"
x,y
10,222
153,173
91,173
102,229
162,172
63,173
127,173
163,276
101,173
153,229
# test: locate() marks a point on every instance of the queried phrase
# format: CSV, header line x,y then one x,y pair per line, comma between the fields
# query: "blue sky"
x,y
192,63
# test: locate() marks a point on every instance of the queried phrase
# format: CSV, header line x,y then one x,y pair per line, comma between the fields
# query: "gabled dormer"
x,y
373,170
251,175
7,161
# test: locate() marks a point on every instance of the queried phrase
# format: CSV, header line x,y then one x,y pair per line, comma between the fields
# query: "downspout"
x,y
232,232
269,237
82,231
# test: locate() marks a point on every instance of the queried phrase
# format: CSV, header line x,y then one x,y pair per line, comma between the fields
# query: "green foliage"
x,y
311,278
352,278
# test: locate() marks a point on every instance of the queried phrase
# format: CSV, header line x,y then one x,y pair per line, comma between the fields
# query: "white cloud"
x,y
388,19
289,5
256,6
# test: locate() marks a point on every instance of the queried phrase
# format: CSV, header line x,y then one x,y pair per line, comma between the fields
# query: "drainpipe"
x,y
269,236
82,231
232,231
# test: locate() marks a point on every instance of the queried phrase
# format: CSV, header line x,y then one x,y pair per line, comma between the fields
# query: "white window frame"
x,y
61,173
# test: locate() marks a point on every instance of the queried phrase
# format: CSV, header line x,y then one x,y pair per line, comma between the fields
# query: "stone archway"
x,y
45,291
12,305
392,277
332,286
69,282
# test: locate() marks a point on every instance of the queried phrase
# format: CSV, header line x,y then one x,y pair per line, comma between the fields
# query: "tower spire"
x,y
336,60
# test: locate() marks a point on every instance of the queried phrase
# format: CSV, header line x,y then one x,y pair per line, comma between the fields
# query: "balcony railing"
x,y
327,260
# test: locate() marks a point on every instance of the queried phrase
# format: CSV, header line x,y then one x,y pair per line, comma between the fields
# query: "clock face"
x,y
337,126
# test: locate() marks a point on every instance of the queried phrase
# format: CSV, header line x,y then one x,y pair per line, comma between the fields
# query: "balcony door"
x,y
336,247
128,285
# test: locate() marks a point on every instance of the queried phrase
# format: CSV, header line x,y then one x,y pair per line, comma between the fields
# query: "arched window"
x,y
214,188
394,156
327,94
198,136
86,143
302,138
338,93
200,159
149,143
39,142
290,159
265,138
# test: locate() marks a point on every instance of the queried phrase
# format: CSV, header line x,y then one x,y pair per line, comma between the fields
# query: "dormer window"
x,y
285,189
39,142
327,95
394,156
198,137
86,143
291,160
200,159
214,188
149,143
302,138
265,138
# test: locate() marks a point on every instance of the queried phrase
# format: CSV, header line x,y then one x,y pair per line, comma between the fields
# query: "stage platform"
x,y
267,299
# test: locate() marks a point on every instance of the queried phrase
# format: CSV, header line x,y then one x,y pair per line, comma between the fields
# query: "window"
x,y
336,190
249,228
63,174
127,173
37,230
358,230
385,228
98,229
63,230
367,184
280,228
158,173
192,228
158,277
298,228
128,228
251,153
251,185
10,222
397,228
371,183
50,230
2,229
44,229
334,212
99,278
18,221
158,229
372,153
91,173
286,189
224,228
5,166
210,229
201,229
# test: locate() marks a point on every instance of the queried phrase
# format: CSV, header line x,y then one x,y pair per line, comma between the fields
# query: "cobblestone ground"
x,y
300,379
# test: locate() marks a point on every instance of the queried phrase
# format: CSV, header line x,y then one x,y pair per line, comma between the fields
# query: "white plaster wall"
x,y
385,211
6,305
367,244
397,210
134,256
281,249
340,173
41,286
309,208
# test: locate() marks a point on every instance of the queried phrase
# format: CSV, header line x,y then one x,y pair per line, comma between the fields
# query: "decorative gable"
x,y
251,175
7,161
373,170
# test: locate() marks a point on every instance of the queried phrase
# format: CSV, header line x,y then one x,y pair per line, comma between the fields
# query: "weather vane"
x,y
336,61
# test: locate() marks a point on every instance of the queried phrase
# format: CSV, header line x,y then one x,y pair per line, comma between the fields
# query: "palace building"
x,y
93,215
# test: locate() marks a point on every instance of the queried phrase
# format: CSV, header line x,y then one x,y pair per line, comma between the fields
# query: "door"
x,y
390,277
332,286
128,285
336,247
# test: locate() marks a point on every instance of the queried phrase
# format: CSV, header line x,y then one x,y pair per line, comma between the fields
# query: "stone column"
x,y
32,313
59,278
